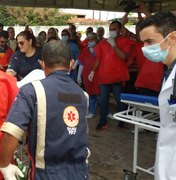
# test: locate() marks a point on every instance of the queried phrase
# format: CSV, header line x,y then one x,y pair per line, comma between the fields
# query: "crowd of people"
x,y
100,66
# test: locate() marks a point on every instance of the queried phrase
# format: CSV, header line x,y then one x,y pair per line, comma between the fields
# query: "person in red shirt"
x,y
112,55
9,90
100,33
87,60
84,43
5,51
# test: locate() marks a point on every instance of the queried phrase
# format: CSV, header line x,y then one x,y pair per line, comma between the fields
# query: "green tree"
x,y
6,18
11,16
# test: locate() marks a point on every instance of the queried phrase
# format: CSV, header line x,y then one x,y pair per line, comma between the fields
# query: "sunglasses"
x,y
21,43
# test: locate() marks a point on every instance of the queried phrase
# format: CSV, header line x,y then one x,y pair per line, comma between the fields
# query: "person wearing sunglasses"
x,y
5,51
26,59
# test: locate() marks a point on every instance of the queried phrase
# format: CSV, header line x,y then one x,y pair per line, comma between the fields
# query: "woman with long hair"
x,y
26,59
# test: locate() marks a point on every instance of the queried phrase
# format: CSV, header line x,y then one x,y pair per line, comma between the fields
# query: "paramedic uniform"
x,y
55,117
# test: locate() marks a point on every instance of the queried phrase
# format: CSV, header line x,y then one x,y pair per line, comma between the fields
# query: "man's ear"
x,y
173,37
42,64
71,64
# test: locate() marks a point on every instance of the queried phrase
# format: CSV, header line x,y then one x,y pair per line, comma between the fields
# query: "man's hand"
x,y
11,172
91,75
111,41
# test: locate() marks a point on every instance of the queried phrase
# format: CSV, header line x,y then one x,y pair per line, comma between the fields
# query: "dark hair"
x,y
51,39
72,26
10,27
89,29
67,32
56,53
165,22
94,36
55,34
27,35
118,23
4,34
41,32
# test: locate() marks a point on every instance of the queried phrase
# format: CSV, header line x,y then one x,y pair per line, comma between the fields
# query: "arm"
x,y
96,64
117,50
80,69
120,53
91,75
13,64
10,73
8,146
124,19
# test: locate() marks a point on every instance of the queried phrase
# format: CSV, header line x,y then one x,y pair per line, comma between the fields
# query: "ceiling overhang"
x,y
106,5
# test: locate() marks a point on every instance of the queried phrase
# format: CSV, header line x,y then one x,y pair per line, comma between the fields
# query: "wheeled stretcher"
x,y
142,112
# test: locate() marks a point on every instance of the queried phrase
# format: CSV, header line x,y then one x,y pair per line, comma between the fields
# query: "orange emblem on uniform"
x,y
71,116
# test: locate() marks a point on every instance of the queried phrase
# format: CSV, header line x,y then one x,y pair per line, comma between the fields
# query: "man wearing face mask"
x,y
112,56
87,60
158,32
65,36
84,43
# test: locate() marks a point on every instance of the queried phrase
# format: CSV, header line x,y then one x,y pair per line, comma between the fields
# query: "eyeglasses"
x,y
21,43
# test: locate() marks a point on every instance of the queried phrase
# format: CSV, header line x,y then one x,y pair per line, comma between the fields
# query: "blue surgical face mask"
x,y
64,38
113,34
91,44
155,53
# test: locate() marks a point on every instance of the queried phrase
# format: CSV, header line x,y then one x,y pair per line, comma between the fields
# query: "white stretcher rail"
x,y
133,115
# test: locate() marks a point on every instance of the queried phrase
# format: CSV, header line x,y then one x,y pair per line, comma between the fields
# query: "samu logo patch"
x,y
71,119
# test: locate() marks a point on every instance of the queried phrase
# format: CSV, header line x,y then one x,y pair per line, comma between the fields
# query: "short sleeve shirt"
x,y
21,65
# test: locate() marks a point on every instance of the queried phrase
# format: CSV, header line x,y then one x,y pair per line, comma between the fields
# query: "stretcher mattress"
x,y
140,98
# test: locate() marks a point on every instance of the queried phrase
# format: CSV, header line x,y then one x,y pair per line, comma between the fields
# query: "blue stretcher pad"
x,y
140,98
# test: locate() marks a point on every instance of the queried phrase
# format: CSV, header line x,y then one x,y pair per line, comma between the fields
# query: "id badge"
x,y
172,111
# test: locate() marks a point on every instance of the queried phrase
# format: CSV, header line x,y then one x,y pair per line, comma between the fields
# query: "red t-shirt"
x,y
83,44
88,60
9,90
112,68
5,58
150,73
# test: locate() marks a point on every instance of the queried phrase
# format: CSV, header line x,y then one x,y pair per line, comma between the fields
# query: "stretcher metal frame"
x,y
134,115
